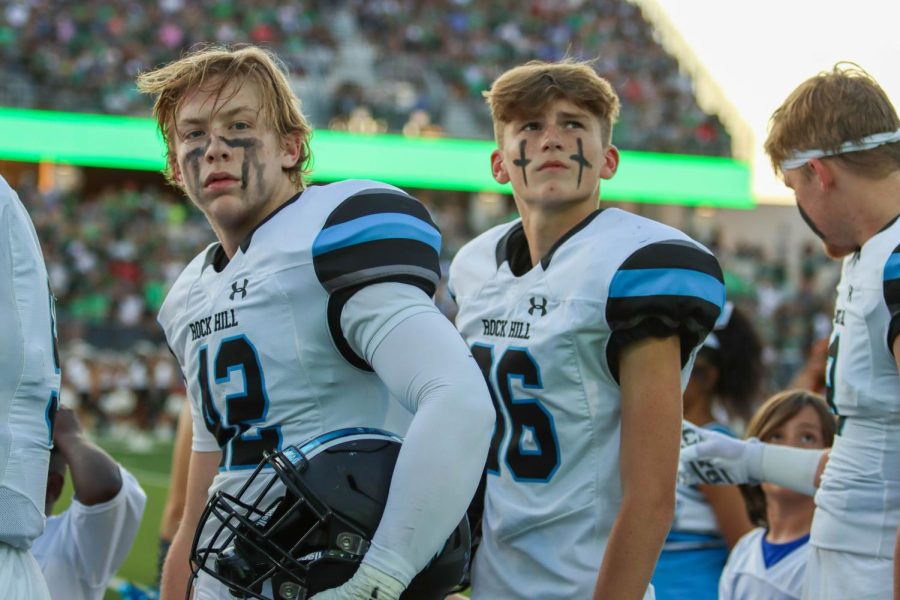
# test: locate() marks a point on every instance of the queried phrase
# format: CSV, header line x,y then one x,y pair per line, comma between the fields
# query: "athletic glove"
x,y
367,583
711,457
708,456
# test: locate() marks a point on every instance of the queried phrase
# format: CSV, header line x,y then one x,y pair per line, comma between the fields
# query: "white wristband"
x,y
789,467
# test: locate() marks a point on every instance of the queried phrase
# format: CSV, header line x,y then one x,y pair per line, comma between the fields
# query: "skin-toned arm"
x,y
95,475
181,454
897,566
896,349
651,432
176,572
728,505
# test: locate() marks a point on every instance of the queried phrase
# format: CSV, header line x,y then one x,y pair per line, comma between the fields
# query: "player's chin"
x,y
226,209
551,190
837,250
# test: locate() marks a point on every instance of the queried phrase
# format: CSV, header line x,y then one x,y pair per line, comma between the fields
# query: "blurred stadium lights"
x,y
118,142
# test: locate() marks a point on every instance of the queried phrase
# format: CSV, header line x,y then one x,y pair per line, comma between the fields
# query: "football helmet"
x,y
304,519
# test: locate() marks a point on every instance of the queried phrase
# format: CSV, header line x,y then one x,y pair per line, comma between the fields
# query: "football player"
x,y
836,142
83,547
585,323
311,313
29,397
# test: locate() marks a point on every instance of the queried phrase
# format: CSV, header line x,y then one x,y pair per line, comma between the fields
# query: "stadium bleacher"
x,y
359,65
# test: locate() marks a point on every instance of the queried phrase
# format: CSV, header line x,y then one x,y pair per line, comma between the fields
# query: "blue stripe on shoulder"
x,y
309,447
381,226
667,282
892,267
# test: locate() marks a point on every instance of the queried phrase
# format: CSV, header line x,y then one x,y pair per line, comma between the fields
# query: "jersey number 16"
x,y
535,459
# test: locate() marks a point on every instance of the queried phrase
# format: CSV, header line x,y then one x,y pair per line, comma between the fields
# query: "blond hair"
x,y
526,90
217,66
842,105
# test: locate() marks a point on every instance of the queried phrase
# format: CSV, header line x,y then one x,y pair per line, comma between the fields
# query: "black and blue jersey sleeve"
x,y
666,288
891,289
377,235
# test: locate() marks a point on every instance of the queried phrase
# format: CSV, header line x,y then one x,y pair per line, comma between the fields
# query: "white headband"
x,y
801,157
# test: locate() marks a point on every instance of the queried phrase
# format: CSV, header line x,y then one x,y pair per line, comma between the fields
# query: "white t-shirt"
x,y
746,576
82,548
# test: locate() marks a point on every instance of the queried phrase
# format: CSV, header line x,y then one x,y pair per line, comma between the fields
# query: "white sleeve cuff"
x,y
790,467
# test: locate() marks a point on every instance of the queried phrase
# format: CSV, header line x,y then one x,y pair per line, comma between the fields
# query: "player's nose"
x,y
552,138
218,149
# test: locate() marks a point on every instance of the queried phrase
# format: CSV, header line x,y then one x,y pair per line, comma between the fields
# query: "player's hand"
x,y
711,457
65,426
368,582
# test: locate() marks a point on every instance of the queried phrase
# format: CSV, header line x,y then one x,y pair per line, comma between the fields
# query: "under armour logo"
x,y
235,289
535,306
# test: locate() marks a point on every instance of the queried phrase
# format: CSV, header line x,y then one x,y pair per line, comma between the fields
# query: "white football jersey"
x,y
547,339
746,576
29,374
858,501
259,339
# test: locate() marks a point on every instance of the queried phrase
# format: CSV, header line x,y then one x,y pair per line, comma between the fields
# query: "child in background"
x,y
770,561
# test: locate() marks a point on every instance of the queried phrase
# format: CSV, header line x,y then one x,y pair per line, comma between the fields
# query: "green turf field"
x,y
152,470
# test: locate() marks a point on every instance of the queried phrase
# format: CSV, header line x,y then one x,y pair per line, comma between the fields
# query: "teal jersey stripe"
x,y
667,282
892,267
381,226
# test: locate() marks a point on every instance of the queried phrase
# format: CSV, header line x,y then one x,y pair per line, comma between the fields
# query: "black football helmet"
x,y
304,519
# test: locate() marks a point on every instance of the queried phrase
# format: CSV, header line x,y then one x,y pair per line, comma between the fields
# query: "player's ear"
x,y
610,162
291,147
822,172
175,170
498,167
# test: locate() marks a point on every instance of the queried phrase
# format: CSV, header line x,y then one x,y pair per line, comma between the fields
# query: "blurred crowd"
x,y
111,258
416,66
113,255
411,66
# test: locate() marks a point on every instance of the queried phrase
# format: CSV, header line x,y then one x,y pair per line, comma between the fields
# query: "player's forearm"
x,y
176,570
897,566
449,434
634,545
418,518
95,475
